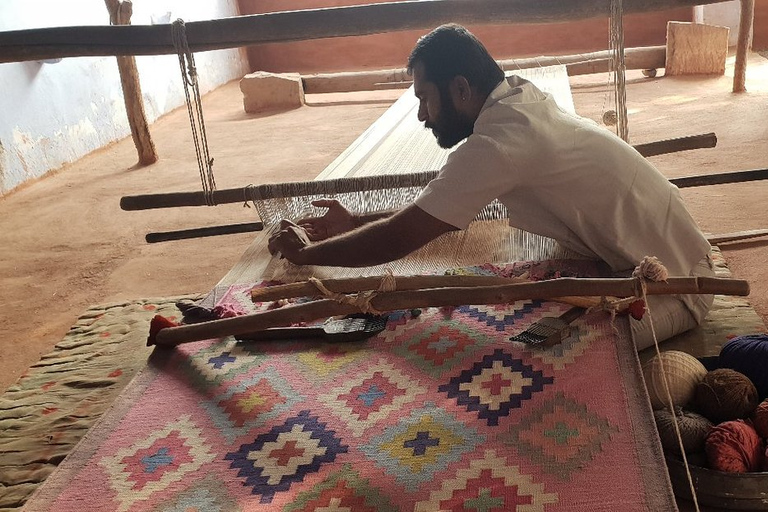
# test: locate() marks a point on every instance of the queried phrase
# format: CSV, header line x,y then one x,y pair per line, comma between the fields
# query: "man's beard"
x,y
450,128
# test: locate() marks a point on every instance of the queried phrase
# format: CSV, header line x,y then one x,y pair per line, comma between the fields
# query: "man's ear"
x,y
461,92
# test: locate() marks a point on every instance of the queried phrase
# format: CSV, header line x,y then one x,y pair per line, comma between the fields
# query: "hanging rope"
x,y
194,108
651,269
618,68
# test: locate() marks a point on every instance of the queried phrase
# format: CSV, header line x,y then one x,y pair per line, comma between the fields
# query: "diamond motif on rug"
x,y
251,403
222,361
152,464
285,455
495,385
342,491
207,495
500,316
372,395
490,483
561,436
574,345
327,359
420,445
434,346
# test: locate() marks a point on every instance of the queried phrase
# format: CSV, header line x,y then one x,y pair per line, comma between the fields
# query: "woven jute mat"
x,y
54,403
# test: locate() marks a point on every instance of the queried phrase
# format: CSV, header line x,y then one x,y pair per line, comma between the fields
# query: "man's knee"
x,y
670,316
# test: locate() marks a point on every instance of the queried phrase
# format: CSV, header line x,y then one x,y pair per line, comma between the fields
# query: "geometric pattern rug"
x,y
440,411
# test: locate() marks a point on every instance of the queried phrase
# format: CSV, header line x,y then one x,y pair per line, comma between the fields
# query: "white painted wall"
x,y
725,14
54,113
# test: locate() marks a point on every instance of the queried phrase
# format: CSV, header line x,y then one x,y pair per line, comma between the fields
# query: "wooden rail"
x,y
238,31
239,195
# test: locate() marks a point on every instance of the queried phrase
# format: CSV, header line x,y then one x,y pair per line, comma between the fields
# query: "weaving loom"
x,y
378,171
188,433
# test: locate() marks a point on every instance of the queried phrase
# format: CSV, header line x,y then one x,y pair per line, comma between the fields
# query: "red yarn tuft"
x,y
637,309
157,324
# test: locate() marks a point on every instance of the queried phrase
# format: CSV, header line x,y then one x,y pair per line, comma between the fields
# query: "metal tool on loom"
x,y
549,331
350,328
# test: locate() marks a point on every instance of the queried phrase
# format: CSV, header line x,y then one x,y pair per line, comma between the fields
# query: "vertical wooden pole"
x,y
120,12
744,43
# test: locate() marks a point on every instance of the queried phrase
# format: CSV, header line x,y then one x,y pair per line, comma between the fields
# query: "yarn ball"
x,y
683,372
760,419
734,447
748,355
724,395
694,429
765,460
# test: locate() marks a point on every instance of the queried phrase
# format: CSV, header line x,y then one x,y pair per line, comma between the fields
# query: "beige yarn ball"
x,y
683,372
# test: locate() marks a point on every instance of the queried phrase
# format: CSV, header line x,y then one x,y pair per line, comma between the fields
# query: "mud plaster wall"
x,y
54,113
760,40
391,50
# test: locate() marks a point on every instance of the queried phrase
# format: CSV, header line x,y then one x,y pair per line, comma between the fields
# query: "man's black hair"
x,y
451,50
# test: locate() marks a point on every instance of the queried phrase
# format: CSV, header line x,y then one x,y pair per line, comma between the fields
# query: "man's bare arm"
x,y
336,220
376,242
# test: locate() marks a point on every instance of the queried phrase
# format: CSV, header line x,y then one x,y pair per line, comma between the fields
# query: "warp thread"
x,y
724,395
694,429
749,355
734,447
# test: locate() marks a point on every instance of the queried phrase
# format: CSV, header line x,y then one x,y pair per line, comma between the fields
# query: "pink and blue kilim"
x,y
440,411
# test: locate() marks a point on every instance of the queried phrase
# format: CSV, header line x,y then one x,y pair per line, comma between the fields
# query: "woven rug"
x,y
441,411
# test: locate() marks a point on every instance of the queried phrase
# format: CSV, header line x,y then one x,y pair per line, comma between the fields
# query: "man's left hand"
x,y
289,242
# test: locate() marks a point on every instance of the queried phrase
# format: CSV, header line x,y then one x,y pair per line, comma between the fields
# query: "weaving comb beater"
x,y
351,328
549,331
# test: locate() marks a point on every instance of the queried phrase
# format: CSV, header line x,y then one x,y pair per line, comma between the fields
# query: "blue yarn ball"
x,y
748,355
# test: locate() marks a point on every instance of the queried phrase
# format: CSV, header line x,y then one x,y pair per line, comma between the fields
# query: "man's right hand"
x,y
337,220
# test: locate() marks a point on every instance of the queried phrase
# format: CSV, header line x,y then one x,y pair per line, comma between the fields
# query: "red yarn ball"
x,y
760,419
765,460
734,447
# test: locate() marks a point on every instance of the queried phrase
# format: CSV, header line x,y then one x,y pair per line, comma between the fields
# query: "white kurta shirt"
x,y
564,177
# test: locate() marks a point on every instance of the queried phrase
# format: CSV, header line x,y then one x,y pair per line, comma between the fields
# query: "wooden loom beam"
x,y
239,31
649,57
402,283
237,195
438,297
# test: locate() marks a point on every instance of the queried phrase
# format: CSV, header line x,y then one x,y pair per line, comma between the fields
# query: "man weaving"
x,y
559,176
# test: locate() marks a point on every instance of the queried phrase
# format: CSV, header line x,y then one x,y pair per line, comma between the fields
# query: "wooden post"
x,y
120,12
743,45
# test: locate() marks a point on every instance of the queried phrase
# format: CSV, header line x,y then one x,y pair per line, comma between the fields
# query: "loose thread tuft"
x,y
157,324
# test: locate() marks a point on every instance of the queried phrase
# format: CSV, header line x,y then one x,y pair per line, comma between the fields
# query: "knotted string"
x,y
651,269
362,299
613,307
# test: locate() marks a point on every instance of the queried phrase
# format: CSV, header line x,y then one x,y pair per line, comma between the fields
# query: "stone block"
x,y
267,91
696,49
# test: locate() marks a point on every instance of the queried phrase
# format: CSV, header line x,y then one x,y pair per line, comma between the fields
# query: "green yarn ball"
x,y
694,429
